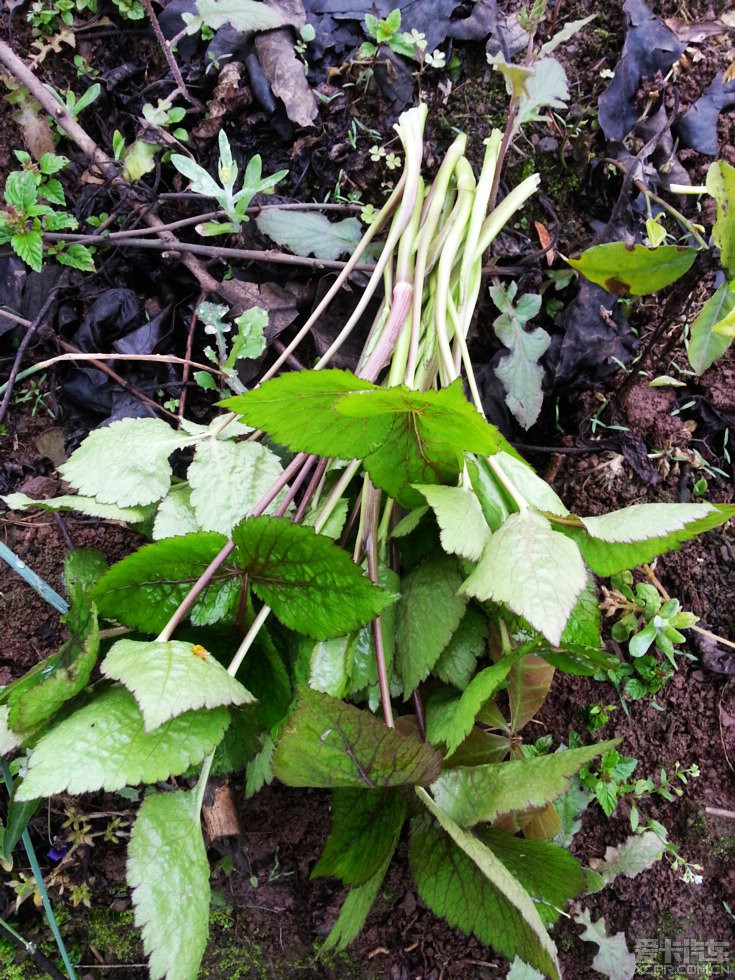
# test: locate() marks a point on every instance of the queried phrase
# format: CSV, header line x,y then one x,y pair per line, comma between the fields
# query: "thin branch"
x,y
166,48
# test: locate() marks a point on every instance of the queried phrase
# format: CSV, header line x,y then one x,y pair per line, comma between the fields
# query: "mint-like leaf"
x,y
29,247
462,527
104,745
80,504
168,871
327,743
169,678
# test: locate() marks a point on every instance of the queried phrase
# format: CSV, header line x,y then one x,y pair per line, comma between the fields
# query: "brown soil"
x,y
270,912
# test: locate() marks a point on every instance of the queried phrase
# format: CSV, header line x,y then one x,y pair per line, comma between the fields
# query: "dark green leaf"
x,y
327,743
145,589
457,661
480,794
478,893
17,820
366,825
312,585
429,596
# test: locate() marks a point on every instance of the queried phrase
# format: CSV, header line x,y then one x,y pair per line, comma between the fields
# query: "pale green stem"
x,y
501,215
458,219
479,213
516,496
336,492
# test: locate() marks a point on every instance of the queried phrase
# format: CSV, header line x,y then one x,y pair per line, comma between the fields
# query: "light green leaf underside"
x,y
427,614
536,491
82,505
492,904
310,233
634,269
721,185
641,522
535,571
168,871
328,743
175,515
635,855
228,479
244,15
125,463
462,526
105,746
480,794
519,370
169,678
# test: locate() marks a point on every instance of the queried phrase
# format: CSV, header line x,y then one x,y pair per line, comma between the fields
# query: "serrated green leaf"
x,y
403,436
260,768
312,585
462,880
561,36
39,694
240,745
480,794
721,185
705,345
104,746
354,913
328,667
522,971
636,854
146,588
310,233
366,826
547,86
139,159
536,491
548,872
169,678
9,740
533,570
175,515
634,269
126,463
77,256
456,663
328,743
20,190
519,371
51,163
16,823
669,528
228,479
458,723
250,340
462,526
583,627
612,958
80,504
168,871
570,806
429,594
29,247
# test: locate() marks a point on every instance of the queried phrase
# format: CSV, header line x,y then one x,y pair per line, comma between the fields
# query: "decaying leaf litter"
x,y
616,221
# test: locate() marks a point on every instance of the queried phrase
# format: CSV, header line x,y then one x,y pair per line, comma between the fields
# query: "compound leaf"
x,y
168,871
634,269
104,745
169,678
366,826
429,595
145,589
519,371
463,881
125,463
535,571
480,794
228,479
312,585
327,743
